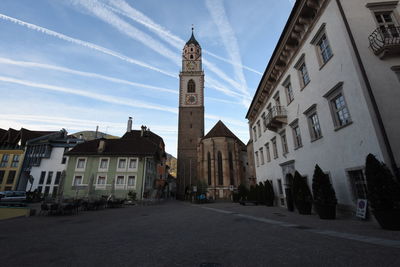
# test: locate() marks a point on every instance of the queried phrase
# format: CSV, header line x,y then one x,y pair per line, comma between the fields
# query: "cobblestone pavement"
x,y
182,234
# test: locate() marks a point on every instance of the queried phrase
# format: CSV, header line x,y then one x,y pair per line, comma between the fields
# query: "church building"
x,y
220,147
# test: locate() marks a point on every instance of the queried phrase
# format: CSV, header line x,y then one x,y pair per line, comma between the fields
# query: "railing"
x,y
274,112
384,37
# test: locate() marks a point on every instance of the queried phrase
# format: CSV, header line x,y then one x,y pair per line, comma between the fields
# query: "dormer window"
x,y
191,88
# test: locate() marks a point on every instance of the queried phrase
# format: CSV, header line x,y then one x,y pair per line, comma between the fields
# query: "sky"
x,y
78,64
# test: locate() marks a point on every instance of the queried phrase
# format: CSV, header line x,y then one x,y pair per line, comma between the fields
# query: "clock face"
x,y
191,65
191,99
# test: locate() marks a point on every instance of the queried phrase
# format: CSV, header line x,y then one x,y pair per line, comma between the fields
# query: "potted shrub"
x,y
243,192
383,193
301,194
269,193
324,195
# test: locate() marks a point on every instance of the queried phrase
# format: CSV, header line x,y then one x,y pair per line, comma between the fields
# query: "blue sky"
x,y
75,64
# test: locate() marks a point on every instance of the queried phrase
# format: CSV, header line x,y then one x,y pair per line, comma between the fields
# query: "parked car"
x,y
13,196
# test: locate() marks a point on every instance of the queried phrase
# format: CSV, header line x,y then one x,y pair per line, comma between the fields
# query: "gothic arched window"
x,y
209,168
231,176
191,87
220,174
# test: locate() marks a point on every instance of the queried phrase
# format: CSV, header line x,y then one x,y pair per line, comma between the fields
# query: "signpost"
x,y
361,208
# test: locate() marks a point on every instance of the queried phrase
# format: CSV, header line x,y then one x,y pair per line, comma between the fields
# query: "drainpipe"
x,y
370,94
144,176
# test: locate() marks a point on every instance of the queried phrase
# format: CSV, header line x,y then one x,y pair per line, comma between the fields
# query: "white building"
x,y
330,95
45,161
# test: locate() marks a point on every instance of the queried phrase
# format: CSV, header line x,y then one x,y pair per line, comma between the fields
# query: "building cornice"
x,y
300,22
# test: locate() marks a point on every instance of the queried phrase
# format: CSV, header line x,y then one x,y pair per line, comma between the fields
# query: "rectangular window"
x,y
289,90
11,176
340,112
358,184
58,177
387,24
274,148
42,176
255,133
313,122
4,160
257,159
285,148
121,163
101,180
259,128
64,160
103,164
49,178
302,71
280,187
78,180
81,163
263,116
267,151
262,156
133,163
2,173
324,49
131,181
15,161
296,134
120,180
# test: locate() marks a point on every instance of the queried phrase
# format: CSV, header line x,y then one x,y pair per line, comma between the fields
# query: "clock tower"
x,y
191,114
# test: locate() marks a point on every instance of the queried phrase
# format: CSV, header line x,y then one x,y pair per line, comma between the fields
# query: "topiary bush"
x,y
383,193
324,195
269,193
301,194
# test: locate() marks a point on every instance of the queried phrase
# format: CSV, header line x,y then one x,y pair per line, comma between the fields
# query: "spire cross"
x,y
192,28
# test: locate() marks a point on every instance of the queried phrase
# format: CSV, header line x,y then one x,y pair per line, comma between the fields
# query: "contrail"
x,y
29,64
123,8
100,97
85,44
218,14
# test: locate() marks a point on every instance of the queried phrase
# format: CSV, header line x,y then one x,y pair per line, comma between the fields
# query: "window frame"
x,y
255,133
257,159
262,156
129,164
298,143
298,66
316,41
289,96
15,163
126,164
101,186
274,148
331,96
117,185
309,113
285,146
108,164
134,183
77,163
4,160
74,179
268,152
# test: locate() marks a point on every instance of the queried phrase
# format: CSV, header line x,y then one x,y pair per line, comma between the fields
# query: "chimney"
x,y
129,128
143,130
81,136
97,130
102,146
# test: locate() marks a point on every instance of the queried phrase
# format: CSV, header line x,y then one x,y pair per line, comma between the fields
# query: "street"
x,y
183,234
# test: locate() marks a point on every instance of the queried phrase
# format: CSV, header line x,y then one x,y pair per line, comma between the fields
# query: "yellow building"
x,y
12,147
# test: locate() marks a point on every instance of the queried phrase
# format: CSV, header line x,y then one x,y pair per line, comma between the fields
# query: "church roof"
x,y
192,40
220,130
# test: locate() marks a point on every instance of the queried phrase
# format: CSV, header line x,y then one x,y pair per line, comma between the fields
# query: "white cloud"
x,y
28,64
217,11
85,44
100,97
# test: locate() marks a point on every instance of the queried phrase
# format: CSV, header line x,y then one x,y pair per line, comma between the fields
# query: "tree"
x,y
269,193
301,194
243,192
324,195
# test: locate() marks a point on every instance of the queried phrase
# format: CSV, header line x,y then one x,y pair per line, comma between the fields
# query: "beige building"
x,y
222,161
329,96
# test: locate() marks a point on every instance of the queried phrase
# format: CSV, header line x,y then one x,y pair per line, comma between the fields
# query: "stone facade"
x,y
222,160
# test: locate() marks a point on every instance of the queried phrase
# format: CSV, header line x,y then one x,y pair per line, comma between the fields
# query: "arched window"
x,y
191,56
231,176
209,168
220,174
191,87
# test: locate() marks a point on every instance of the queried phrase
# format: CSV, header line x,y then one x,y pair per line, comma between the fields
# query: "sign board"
x,y
361,208
194,188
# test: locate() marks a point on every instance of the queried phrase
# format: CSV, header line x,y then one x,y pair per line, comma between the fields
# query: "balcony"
x,y
385,41
275,119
